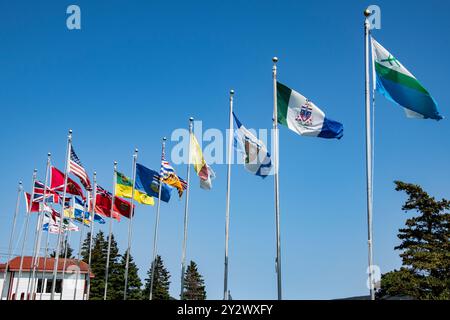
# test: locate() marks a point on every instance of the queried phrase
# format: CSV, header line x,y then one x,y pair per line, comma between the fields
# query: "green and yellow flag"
x,y
124,188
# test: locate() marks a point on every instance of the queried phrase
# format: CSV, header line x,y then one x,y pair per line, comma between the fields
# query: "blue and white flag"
x,y
80,214
255,155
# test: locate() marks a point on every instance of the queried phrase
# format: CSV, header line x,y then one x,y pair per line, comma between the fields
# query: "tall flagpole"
x,y
277,200
39,234
186,207
80,244
130,224
227,210
66,250
61,216
30,205
110,230
368,152
91,235
155,239
16,212
44,269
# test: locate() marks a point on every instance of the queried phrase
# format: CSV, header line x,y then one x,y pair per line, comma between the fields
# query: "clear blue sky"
x,y
138,69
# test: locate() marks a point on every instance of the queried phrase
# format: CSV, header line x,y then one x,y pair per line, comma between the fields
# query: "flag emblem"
x,y
305,114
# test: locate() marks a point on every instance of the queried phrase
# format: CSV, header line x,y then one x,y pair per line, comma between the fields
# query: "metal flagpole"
x,y
277,199
44,269
61,217
37,249
368,152
227,210
130,224
186,206
155,239
110,230
35,241
80,244
30,205
16,212
94,203
66,249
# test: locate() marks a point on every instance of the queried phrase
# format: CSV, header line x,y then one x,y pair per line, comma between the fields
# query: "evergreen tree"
x,y
425,248
85,247
134,284
161,281
194,285
98,266
115,283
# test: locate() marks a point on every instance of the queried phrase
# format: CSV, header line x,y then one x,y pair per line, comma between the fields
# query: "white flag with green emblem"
x,y
303,117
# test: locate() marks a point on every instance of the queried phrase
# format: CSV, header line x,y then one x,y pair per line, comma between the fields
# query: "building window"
x,y
39,285
58,287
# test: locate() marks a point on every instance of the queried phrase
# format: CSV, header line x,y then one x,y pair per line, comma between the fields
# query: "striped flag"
x,y
77,169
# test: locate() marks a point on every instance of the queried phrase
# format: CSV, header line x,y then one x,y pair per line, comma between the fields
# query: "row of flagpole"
x,y
275,146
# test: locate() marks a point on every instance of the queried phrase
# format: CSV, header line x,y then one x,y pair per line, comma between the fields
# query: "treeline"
x,y
194,286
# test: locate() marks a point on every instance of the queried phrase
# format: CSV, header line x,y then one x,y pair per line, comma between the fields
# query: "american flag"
x,y
77,169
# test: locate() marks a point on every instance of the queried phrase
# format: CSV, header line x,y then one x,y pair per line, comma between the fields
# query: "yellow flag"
x,y
205,173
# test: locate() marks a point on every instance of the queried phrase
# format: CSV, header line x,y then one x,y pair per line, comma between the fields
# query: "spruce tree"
x,y
425,248
98,264
134,284
194,285
161,281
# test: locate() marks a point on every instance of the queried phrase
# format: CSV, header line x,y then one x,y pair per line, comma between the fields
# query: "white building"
x,y
70,288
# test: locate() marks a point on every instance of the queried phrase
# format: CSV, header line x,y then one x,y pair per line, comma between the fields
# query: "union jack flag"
x,y
77,169
50,194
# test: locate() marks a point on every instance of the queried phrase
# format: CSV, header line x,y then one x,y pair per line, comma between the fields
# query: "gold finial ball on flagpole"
x,y
275,59
367,13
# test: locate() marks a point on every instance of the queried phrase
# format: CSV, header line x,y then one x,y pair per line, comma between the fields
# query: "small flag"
x,y
168,176
77,169
256,157
103,205
35,206
57,183
204,172
303,117
147,181
124,187
399,85
50,195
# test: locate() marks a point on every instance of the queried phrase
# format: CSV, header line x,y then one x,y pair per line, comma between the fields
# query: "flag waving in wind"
x,y
77,169
169,177
397,84
57,183
256,158
204,172
304,117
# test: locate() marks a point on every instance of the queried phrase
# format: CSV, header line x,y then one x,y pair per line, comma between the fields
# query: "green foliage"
x,y
425,248
194,285
134,291
161,281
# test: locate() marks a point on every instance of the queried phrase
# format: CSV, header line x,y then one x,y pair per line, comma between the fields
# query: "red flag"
x,y
103,205
34,205
57,183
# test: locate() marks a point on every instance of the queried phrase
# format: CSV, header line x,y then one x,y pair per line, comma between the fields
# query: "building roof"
x,y
71,265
